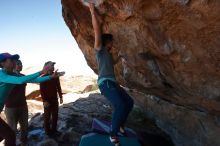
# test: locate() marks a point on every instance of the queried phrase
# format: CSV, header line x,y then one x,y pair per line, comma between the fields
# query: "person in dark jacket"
x,y
49,91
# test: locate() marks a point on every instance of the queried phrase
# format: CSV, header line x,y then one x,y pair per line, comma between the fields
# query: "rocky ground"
x,y
82,103
75,119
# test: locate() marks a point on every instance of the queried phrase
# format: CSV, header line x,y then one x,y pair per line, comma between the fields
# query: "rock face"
x,y
170,49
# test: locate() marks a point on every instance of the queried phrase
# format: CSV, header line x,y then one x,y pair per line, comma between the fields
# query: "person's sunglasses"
x,y
18,64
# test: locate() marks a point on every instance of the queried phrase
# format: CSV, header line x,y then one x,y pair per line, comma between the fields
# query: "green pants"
x,y
15,116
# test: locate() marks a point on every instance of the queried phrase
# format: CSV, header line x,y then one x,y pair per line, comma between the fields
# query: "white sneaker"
x,y
115,140
122,130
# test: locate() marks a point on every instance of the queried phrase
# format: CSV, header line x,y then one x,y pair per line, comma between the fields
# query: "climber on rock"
x,y
122,103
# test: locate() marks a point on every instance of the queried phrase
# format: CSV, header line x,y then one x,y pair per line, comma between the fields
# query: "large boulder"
x,y
170,49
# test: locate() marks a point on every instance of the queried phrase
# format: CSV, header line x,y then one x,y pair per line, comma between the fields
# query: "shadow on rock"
x,y
75,120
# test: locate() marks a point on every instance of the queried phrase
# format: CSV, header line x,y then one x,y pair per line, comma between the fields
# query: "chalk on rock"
x,y
95,2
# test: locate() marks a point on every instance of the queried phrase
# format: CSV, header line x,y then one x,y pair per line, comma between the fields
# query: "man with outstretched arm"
x,y
122,103
49,91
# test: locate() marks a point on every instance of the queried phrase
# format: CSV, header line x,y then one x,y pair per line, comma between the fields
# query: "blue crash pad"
x,y
103,127
95,139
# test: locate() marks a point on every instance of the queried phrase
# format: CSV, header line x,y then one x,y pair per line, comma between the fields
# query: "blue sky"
x,y
35,29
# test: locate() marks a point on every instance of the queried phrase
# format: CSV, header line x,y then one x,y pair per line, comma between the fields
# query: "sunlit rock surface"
x,y
170,49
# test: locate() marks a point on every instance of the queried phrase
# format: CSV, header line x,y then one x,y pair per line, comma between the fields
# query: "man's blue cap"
x,y
4,56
